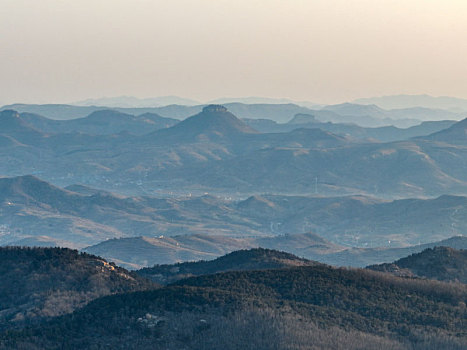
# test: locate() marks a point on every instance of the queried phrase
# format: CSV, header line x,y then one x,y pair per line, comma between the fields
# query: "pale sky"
x,y
326,51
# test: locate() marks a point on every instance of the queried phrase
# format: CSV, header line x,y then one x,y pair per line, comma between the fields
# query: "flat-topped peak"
x,y
214,108
215,122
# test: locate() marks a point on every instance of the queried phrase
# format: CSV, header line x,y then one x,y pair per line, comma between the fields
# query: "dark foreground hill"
x,y
440,263
241,260
38,283
312,307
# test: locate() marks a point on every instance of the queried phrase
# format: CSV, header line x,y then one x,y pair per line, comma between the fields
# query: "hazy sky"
x,y
319,50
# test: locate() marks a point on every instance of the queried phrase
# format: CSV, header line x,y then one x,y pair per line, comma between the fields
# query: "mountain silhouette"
x,y
214,123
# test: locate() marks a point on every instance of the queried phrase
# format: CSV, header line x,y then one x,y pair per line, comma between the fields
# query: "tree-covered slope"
x,y
38,283
241,260
315,307
440,263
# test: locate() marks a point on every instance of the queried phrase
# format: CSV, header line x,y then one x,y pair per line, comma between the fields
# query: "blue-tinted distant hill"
x,y
134,102
209,152
101,122
383,133
31,208
408,101
344,113
456,134
278,112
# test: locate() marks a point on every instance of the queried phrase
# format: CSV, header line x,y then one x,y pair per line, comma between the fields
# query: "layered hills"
x,y
101,122
292,307
440,263
240,260
232,185
455,134
408,101
382,134
30,207
361,114
214,151
137,252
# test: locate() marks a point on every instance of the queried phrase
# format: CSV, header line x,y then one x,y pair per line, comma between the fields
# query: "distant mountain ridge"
x,y
383,134
134,102
455,134
401,117
101,122
240,260
107,122
408,101
263,100
137,252
208,152
343,113
31,207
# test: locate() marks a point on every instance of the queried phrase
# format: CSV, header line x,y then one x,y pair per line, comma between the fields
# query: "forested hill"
x,y
37,283
440,263
253,259
292,308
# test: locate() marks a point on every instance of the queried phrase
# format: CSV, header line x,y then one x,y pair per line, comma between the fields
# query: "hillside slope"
x,y
320,306
40,283
440,263
240,260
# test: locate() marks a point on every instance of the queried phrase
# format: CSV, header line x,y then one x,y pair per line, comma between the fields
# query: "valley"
x,y
219,221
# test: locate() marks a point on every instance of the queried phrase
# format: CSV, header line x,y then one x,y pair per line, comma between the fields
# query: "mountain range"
x,y
134,102
33,208
408,101
137,252
361,114
251,305
381,134
387,102
210,151
440,262
101,122
107,121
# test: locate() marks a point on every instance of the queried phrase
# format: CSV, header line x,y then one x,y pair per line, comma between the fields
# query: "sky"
x,y
325,51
